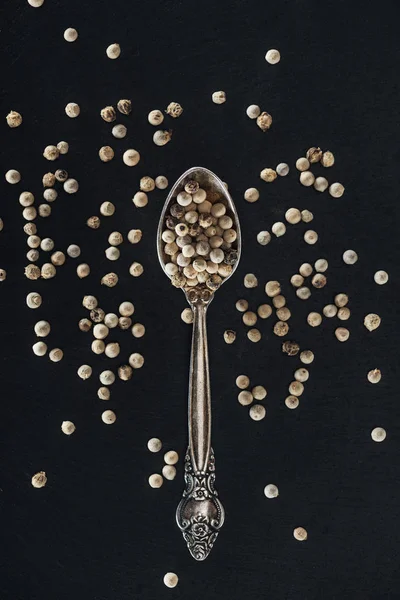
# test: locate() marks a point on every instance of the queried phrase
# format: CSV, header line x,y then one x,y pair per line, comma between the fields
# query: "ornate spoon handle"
x,y
200,514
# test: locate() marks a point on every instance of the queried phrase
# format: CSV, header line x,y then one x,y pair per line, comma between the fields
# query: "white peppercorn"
x,y
341,300
219,97
251,195
40,348
108,417
327,159
187,316
343,313
13,176
306,269
147,184
107,377
300,534
296,388
50,194
330,311
42,328
134,236
307,357
131,157
229,336
161,182
297,280
257,412
154,445
32,272
293,216
302,164
33,300
85,325
321,184
112,253
68,427
85,371
103,393
311,237
98,346
115,238
350,257
372,321
39,480
314,319
283,313
271,491
32,255
30,229
169,472
47,244
307,178
319,280
242,382
321,265
71,186
250,281
162,137
303,293
100,331
14,119
136,269
249,318
48,180
56,354
245,398
381,277
61,174
138,330
26,199
111,320
301,375
72,110
342,334
140,199
253,111
282,169
82,270
273,56
278,229
136,360
107,209
51,152
44,210
272,288
112,350
124,323
63,147
73,251
374,376
268,174
242,305
291,402
264,121
155,117
93,222
113,51
119,131
264,311
171,457
106,153
254,335
171,579
378,434
263,238
48,271
259,392
336,190
33,241
70,34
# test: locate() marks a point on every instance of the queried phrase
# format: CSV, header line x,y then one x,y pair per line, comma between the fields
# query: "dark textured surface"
x,y
97,531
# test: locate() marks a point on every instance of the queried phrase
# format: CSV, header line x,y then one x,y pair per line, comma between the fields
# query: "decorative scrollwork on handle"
x,y
200,514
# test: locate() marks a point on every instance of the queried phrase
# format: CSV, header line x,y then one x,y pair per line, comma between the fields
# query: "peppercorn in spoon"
x,y
199,245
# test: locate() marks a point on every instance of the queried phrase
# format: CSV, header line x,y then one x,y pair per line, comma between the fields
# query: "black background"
x,y
97,530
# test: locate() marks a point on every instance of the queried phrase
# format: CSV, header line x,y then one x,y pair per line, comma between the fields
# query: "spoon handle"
x,y
200,514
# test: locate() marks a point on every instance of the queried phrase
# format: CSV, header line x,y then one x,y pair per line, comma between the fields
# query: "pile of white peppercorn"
x,y
199,238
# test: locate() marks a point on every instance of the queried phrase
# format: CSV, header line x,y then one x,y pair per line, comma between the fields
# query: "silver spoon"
x,y
200,514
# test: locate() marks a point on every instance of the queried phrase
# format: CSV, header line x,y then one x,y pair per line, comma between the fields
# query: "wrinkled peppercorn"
x,y
230,257
171,222
177,211
290,348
